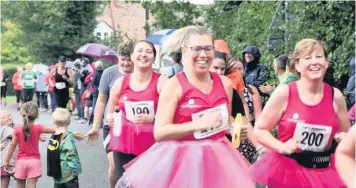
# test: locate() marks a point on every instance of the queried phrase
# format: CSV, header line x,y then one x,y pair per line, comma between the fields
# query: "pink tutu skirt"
x,y
278,171
188,164
134,138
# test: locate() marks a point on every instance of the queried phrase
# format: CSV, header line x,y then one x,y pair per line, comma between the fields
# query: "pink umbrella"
x,y
99,51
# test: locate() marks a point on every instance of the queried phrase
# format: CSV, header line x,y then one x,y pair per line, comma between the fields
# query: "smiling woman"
x,y
191,121
136,96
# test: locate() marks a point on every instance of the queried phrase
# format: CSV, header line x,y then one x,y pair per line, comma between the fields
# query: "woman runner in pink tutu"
x,y
310,114
191,121
136,95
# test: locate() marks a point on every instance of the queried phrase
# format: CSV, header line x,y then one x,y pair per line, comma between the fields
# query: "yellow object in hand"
x,y
236,130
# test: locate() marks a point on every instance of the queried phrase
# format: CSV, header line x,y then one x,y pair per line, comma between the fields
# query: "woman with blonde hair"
x,y
192,118
311,115
29,79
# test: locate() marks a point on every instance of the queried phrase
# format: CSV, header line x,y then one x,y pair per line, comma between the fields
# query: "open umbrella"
x,y
158,37
98,51
41,68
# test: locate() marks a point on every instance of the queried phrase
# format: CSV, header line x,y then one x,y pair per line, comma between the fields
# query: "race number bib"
x,y
60,85
312,137
142,107
29,83
3,84
208,132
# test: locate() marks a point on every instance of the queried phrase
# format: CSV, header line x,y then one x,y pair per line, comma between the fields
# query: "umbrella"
x,y
69,64
41,68
158,37
98,51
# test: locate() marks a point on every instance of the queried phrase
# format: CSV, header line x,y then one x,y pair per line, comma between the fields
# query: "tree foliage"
x,y
13,50
173,14
53,28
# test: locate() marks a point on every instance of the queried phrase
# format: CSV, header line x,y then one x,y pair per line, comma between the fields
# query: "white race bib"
x,y
29,83
60,85
134,108
208,132
312,137
3,84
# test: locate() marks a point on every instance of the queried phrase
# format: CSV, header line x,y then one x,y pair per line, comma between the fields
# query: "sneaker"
x,y
77,118
43,110
82,121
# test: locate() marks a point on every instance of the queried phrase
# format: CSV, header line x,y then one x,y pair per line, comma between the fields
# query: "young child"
x,y
27,136
6,131
63,162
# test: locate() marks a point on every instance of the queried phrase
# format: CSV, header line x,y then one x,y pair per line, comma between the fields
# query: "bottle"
x,y
236,130
117,121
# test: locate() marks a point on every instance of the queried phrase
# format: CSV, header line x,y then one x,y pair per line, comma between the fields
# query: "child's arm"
x,y
11,150
77,136
48,129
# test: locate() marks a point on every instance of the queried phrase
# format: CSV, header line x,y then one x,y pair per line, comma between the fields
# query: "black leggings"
x,y
120,160
3,91
61,99
18,96
28,95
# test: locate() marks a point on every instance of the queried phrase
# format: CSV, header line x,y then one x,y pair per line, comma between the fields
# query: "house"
x,y
103,30
128,18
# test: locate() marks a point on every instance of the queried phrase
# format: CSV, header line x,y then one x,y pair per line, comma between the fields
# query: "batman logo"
x,y
53,144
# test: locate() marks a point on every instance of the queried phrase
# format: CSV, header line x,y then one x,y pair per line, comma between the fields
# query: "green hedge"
x,y
10,70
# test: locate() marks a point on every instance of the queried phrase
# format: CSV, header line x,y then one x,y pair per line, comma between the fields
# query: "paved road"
x,y
93,158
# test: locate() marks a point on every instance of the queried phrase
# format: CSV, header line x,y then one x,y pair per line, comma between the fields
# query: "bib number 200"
x,y
311,139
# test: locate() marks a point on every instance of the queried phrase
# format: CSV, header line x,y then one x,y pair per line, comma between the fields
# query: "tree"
x,y
13,48
54,28
172,15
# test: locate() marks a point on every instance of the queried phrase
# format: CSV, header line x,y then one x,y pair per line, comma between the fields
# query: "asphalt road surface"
x,y
93,158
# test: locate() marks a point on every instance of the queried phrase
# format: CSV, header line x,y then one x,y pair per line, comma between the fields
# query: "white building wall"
x,y
103,31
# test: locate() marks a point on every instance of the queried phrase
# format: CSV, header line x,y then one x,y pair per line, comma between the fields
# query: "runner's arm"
x,y
269,118
48,129
164,129
341,111
114,97
99,110
345,158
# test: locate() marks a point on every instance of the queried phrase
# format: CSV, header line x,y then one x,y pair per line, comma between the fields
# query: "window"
x,y
98,34
105,34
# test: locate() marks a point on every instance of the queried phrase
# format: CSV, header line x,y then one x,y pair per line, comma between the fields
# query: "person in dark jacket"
x,y
95,85
350,88
255,72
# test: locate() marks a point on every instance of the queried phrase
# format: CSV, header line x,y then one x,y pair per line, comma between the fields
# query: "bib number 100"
x,y
139,110
311,139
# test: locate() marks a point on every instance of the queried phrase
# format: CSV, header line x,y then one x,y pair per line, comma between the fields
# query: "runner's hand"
x,y
243,132
43,138
288,147
92,136
144,119
338,136
6,165
212,119
110,119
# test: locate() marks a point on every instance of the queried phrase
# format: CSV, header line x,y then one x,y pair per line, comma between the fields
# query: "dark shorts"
x,y
74,183
106,130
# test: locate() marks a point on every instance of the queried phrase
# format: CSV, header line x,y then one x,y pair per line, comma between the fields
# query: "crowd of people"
x,y
176,129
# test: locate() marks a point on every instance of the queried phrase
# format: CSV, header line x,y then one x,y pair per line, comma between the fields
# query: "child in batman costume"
x,y
63,162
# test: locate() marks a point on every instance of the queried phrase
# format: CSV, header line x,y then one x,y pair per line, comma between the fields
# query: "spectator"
x,y
4,78
99,68
255,72
41,91
350,89
77,90
16,81
85,70
50,84
29,82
